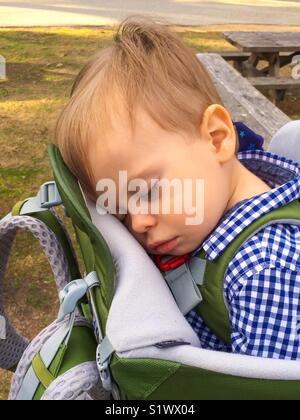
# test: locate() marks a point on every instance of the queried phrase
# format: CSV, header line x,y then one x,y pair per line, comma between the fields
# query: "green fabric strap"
x,y
41,371
213,309
17,207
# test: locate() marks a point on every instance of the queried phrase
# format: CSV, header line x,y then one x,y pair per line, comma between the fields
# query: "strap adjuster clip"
x,y
103,369
49,195
69,297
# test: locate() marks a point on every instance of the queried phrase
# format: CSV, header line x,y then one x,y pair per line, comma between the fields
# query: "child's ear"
x,y
218,129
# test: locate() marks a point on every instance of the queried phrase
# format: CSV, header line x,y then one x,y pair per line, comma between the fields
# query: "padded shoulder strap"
x,y
12,345
213,308
52,220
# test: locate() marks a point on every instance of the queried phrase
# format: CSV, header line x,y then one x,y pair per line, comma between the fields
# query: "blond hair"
x,y
148,65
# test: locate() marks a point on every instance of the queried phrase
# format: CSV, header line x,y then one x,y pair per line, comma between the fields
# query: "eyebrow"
x,y
145,173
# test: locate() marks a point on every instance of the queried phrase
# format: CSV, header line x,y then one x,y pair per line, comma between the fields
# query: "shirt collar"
x,y
280,173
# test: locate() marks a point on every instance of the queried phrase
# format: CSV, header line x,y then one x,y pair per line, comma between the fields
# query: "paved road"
x,y
186,12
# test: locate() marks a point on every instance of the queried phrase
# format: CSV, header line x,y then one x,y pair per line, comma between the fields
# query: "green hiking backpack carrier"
x,y
119,333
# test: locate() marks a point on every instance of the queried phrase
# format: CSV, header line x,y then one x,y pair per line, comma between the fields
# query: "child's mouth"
x,y
166,246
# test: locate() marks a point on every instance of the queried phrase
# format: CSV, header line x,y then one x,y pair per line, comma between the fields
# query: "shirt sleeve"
x,y
265,313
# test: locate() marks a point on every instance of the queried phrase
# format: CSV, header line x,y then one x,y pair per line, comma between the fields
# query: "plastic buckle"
x,y
184,288
103,368
69,297
49,195
172,262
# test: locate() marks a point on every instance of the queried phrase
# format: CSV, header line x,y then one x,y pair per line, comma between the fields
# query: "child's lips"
x,y
165,246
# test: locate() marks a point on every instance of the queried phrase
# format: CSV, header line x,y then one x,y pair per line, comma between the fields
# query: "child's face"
x,y
153,153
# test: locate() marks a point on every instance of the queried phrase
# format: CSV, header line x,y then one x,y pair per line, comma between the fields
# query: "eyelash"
x,y
148,194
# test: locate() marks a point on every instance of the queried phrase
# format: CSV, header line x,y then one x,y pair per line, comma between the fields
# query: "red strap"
x,y
171,263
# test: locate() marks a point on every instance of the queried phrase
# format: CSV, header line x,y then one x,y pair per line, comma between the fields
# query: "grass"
x,y
41,66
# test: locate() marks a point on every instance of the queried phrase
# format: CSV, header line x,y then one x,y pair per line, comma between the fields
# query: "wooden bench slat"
x,y
233,55
274,82
243,101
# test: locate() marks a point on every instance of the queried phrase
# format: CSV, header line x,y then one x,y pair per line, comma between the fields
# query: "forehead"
x,y
123,148
144,132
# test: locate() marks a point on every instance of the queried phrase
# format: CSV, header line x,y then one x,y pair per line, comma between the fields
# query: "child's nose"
x,y
142,222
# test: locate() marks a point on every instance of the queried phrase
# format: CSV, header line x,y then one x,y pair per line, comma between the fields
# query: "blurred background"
x,y
183,12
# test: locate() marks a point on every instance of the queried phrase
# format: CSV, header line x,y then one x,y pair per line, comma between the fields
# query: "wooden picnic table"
x,y
277,48
267,46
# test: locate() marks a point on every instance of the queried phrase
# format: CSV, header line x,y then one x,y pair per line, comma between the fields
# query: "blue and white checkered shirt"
x,y
262,281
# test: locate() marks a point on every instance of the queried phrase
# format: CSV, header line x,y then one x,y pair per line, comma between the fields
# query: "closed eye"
x,y
147,194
